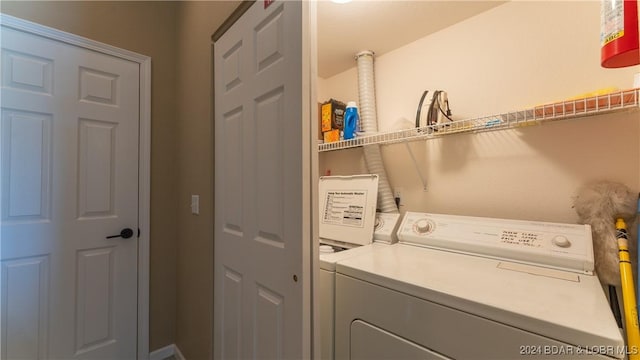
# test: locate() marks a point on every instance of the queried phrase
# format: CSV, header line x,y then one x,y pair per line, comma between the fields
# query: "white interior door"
x,y
262,182
70,120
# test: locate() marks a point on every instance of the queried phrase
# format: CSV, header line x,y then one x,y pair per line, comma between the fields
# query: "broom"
x,y
628,292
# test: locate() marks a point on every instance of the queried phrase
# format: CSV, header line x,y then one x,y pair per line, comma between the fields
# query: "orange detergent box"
x,y
331,135
332,115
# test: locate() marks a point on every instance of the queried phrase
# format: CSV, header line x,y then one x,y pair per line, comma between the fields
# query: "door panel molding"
x,y
25,293
144,153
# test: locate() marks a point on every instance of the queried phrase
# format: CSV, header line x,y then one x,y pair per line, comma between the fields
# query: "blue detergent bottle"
x,y
351,120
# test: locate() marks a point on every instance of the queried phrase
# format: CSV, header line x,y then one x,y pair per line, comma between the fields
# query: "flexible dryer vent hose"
x,y
369,125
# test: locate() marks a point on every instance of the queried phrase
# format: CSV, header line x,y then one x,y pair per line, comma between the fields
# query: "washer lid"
x,y
571,308
348,208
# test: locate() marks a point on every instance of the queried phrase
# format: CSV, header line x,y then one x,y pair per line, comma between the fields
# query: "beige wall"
x,y
196,23
505,59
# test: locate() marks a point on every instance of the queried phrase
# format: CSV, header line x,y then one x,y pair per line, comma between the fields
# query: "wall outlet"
x,y
195,204
397,194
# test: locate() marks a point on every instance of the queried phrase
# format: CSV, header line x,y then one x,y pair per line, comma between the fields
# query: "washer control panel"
x,y
556,245
385,227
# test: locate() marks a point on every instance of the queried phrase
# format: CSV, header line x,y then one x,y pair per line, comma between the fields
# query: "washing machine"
x,y
457,287
349,226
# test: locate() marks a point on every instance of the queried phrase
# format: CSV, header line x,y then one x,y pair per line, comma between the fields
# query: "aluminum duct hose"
x,y
369,125
367,92
373,158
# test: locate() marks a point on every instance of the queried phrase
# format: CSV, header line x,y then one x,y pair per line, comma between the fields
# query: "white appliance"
x,y
348,223
475,288
385,228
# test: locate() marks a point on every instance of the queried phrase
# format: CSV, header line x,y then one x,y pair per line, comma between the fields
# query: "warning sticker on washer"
x,y
345,208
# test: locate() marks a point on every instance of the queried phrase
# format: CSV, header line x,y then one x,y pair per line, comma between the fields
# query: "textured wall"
x,y
196,23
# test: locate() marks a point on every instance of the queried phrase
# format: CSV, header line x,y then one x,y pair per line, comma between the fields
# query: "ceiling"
x,y
382,26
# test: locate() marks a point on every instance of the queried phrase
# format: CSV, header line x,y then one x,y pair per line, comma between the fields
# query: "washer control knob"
x,y
423,226
561,241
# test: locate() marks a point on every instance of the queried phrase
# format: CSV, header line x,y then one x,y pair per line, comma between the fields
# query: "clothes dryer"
x,y
475,288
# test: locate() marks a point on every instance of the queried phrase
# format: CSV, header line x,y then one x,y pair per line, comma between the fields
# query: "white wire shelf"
x,y
594,105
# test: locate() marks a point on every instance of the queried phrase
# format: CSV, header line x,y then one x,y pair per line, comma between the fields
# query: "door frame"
x,y
144,154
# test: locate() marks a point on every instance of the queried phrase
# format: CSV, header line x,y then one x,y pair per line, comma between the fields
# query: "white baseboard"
x,y
178,354
165,352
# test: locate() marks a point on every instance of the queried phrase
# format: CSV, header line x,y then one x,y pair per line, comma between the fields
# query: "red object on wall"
x,y
621,44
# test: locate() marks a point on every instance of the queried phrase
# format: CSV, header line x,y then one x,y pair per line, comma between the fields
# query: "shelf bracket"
x,y
415,164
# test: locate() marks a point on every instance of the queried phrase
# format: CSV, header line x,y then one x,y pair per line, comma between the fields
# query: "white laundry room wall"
x,y
514,56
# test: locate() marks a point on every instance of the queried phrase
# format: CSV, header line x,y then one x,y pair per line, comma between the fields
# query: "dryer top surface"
x,y
562,305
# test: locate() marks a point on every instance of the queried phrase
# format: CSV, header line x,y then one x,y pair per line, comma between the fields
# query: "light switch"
x,y
195,204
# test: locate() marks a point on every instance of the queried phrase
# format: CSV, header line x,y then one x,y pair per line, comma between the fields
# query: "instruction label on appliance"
x,y
522,238
611,21
345,208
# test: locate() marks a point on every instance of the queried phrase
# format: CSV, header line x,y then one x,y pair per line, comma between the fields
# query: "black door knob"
x,y
125,234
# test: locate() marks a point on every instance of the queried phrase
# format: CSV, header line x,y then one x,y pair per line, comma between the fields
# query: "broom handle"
x,y
628,292
638,243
